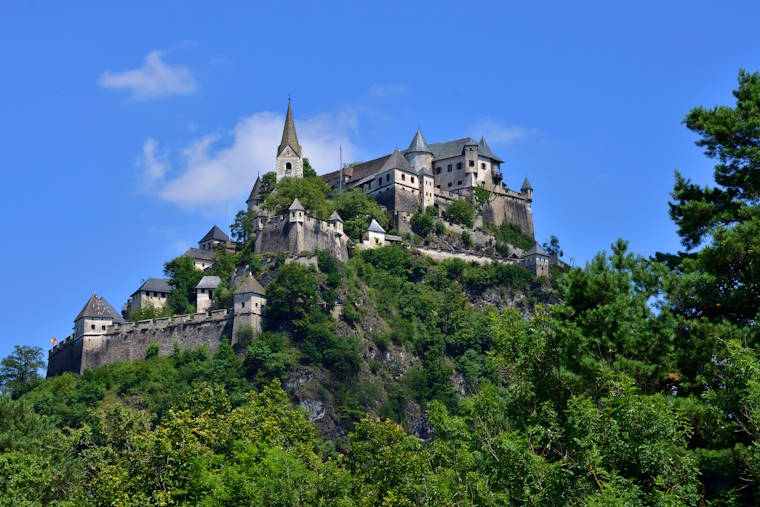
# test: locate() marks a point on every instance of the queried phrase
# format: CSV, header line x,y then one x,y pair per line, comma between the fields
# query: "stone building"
x,y
204,292
153,291
95,318
536,260
249,301
436,175
203,256
289,154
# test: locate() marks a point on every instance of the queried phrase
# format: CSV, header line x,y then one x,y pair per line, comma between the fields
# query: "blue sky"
x,y
127,133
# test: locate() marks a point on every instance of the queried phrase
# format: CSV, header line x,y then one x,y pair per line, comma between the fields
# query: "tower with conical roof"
x,y
289,154
419,155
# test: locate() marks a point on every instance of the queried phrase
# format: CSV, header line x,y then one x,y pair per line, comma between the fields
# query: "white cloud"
x,y
388,90
152,80
497,133
222,166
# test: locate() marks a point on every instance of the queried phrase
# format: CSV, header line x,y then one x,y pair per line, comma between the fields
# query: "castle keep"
x,y
422,177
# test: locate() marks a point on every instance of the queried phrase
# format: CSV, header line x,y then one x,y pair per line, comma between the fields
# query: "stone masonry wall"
x,y
126,342
279,235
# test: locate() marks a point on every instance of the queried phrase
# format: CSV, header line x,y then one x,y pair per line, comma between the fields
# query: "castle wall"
x,y
510,208
129,341
280,235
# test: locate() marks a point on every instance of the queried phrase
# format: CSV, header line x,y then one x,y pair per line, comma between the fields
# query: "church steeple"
x,y
289,137
289,154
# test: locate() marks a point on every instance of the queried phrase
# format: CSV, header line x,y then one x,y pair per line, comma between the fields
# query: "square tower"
x,y
289,154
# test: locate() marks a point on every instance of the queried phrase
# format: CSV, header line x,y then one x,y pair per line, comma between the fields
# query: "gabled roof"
x,y
451,148
289,137
215,234
485,150
155,285
254,195
419,144
375,227
197,253
296,206
526,185
334,217
250,285
98,307
209,282
425,171
536,250
397,161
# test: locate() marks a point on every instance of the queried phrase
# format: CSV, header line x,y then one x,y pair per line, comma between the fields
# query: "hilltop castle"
x,y
421,177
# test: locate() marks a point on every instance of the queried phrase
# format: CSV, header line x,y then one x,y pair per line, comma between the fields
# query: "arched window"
x,y
288,166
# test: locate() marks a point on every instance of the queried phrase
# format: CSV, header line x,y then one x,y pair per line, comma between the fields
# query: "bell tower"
x,y
289,155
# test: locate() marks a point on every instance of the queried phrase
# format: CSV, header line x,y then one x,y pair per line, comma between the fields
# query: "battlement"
x,y
129,340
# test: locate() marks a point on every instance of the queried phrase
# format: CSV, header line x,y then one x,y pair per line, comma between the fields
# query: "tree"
x,y
483,197
421,223
723,219
183,278
311,191
357,209
242,229
18,371
460,212
552,247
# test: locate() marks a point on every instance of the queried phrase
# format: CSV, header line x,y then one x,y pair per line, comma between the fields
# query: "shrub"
x,y
466,239
421,223
152,350
440,229
460,212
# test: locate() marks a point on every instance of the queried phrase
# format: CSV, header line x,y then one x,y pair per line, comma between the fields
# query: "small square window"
x,y
102,328
482,165
459,182
92,326
449,183
438,170
472,163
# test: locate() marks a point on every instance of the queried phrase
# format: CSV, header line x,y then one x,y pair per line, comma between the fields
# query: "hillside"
x,y
391,379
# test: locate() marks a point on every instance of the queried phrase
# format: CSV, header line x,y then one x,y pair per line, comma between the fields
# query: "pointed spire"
x,y
334,217
289,137
526,185
296,206
419,144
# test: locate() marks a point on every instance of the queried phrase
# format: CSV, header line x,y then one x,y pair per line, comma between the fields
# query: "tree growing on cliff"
x,y
183,278
18,371
460,212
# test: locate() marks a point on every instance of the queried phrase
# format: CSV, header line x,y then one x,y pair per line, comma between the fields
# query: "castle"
x,y
421,177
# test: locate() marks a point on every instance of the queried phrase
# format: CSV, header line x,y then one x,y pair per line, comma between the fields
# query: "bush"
x,y
421,223
440,229
511,234
460,212
466,239
152,350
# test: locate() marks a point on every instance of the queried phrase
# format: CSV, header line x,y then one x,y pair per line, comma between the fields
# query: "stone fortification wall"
x,y
439,255
278,234
129,341
510,207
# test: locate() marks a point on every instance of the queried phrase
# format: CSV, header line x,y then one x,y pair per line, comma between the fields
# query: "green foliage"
x,y
242,228
183,278
152,350
421,223
311,191
460,212
357,209
511,234
483,197
552,246
466,239
19,371
149,312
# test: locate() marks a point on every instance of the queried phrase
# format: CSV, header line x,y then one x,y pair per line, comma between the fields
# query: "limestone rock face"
x,y
315,408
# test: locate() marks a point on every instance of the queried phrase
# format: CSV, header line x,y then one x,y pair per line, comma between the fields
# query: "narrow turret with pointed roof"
x,y
526,185
289,137
418,144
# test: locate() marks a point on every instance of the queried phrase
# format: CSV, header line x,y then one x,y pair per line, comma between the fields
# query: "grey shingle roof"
x,y
419,144
485,150
216,234
98,307
289,137
536,250
209,282
451,148
397,161
334,217
250,285
526,185
375,227
197,253
254,195
296,206
425,171
155,285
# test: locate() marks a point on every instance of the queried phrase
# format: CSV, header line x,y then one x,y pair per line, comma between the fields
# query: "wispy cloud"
x,y
222,166
388,90
498,133
153,79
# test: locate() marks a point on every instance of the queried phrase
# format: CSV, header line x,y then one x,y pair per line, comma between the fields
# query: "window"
x,y
412,179
92,326
482,165
388,177
288,166
448,169
102,328
449,183
459,165
472,163
403,177
242,304
459,182
438,170
438,186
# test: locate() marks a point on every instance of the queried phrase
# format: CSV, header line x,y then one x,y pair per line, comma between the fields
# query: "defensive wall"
x,y
129,341
279,234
